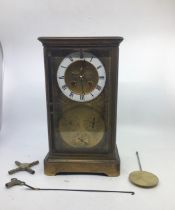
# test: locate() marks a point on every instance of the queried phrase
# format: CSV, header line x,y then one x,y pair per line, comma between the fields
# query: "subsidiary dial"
x,y
81,76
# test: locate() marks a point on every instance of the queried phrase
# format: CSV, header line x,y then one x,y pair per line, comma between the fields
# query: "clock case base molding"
x,y
55,166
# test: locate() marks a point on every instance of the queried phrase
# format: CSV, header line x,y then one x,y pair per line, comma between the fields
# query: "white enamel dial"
x,y
81,76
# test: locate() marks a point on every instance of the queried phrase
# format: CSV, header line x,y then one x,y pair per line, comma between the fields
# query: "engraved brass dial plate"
x,y
81,127
81,77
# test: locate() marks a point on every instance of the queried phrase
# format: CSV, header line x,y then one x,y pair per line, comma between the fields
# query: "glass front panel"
x,y
80,102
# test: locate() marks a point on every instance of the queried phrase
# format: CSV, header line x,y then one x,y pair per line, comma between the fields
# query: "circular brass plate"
x,y
81,127
143,179
81,76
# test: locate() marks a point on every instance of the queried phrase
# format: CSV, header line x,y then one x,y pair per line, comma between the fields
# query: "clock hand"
x,y
81,80
74,73
84,64
82,68
93,122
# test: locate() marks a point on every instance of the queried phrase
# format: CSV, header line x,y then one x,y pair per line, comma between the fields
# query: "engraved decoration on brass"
x,y
81,127
81,77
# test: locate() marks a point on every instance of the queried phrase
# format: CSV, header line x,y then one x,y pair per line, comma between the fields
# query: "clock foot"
x,y
55,166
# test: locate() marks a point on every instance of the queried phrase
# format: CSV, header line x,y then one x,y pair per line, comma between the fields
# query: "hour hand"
x,y
93,122
82,87
75,73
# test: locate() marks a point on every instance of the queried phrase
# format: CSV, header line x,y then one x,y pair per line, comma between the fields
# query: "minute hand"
x,y
81,80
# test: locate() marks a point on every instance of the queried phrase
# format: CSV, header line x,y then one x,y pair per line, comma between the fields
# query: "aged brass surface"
x,y
143,179
96,165
24,167
81,77
97,104
14,182
81,127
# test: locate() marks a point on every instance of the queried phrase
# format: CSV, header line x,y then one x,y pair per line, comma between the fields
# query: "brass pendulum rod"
x,y
138,159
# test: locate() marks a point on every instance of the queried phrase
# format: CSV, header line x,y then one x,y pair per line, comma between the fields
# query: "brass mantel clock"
x,y
81,86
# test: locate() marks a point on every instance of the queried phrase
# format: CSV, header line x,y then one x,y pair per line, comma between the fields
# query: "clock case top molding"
x,y
105,162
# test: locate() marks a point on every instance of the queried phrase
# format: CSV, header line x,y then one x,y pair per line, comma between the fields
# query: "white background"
x,y
146,101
